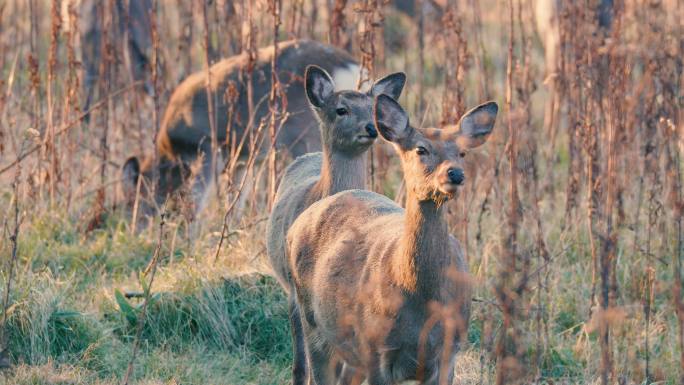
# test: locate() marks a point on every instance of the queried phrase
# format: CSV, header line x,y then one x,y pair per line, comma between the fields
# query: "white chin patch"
x,y
346,77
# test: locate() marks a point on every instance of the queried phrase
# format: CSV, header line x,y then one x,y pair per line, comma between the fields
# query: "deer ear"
x,y
391,85
130,174
390,119
318,84
476,125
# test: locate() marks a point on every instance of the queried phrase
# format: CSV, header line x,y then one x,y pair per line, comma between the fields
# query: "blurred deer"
x,y
546,15
132,35
384,289
184,139
347,132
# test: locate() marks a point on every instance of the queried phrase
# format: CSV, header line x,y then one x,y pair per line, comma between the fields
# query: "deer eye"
x,y
341,111
462,154
420,150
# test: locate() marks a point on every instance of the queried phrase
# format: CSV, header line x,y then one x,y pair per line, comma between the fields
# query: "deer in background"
x,y
546,16
184,137
384,289
347,132
132,35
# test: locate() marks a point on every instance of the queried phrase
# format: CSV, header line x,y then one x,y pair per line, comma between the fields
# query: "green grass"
x,y
70,322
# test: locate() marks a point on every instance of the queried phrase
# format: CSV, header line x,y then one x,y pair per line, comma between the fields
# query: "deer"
x,y
547,16
184,137
132,27
347,131
383,289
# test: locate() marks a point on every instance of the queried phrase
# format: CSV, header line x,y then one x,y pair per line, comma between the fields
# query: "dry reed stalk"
x,y
508,367
254,145
294,27
275,6
147,290
338,24
104,80
529,158
419,18
70,124
49,139
184,54
480,53
71,102
648,304
154,32
456,64
33,62
11,266
369,12
210,101
250,49
612,67
314,16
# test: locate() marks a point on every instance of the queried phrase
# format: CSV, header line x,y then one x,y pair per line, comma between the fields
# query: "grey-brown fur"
x,y
340,166
369,275
131,31
185,133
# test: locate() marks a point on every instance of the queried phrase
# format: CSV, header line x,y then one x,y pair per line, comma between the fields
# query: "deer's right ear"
x,y
130,174
319,85
476,125
390,85
390,119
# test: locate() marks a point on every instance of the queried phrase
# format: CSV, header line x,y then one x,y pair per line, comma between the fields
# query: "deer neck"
x,y
340,172
423,252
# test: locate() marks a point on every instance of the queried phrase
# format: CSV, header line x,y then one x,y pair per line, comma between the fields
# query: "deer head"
x,y
346,117
432,159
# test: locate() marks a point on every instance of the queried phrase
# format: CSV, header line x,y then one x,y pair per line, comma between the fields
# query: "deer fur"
x,y
340,166
185,133
386,289
131,27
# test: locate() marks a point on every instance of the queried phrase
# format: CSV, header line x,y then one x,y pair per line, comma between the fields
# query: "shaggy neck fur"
x,y
423,251
340,172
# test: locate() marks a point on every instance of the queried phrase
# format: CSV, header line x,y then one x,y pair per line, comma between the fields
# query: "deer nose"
x,y
370,129
456,175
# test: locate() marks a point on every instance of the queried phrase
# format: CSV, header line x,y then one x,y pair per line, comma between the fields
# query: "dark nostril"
x,y
370,129
456,175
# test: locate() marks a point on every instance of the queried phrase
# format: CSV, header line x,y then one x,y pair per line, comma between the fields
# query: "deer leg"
x,y
298,350
318,356
350,376
438,375
203,179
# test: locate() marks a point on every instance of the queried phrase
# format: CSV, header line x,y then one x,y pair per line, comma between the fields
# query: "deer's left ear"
x,y
476,125
390,119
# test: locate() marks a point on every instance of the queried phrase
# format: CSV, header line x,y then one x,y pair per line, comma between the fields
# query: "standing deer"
x,y
132,35
547,14
347,132
383,288
185,133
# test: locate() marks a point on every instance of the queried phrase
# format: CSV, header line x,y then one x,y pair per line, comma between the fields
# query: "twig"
x,y
70,124
152,269
12,262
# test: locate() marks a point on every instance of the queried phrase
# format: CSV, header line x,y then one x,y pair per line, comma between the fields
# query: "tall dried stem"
x,y
210,101
508,366
147,291
273,105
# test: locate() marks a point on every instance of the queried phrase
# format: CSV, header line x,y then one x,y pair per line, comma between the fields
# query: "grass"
x,y
71,323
